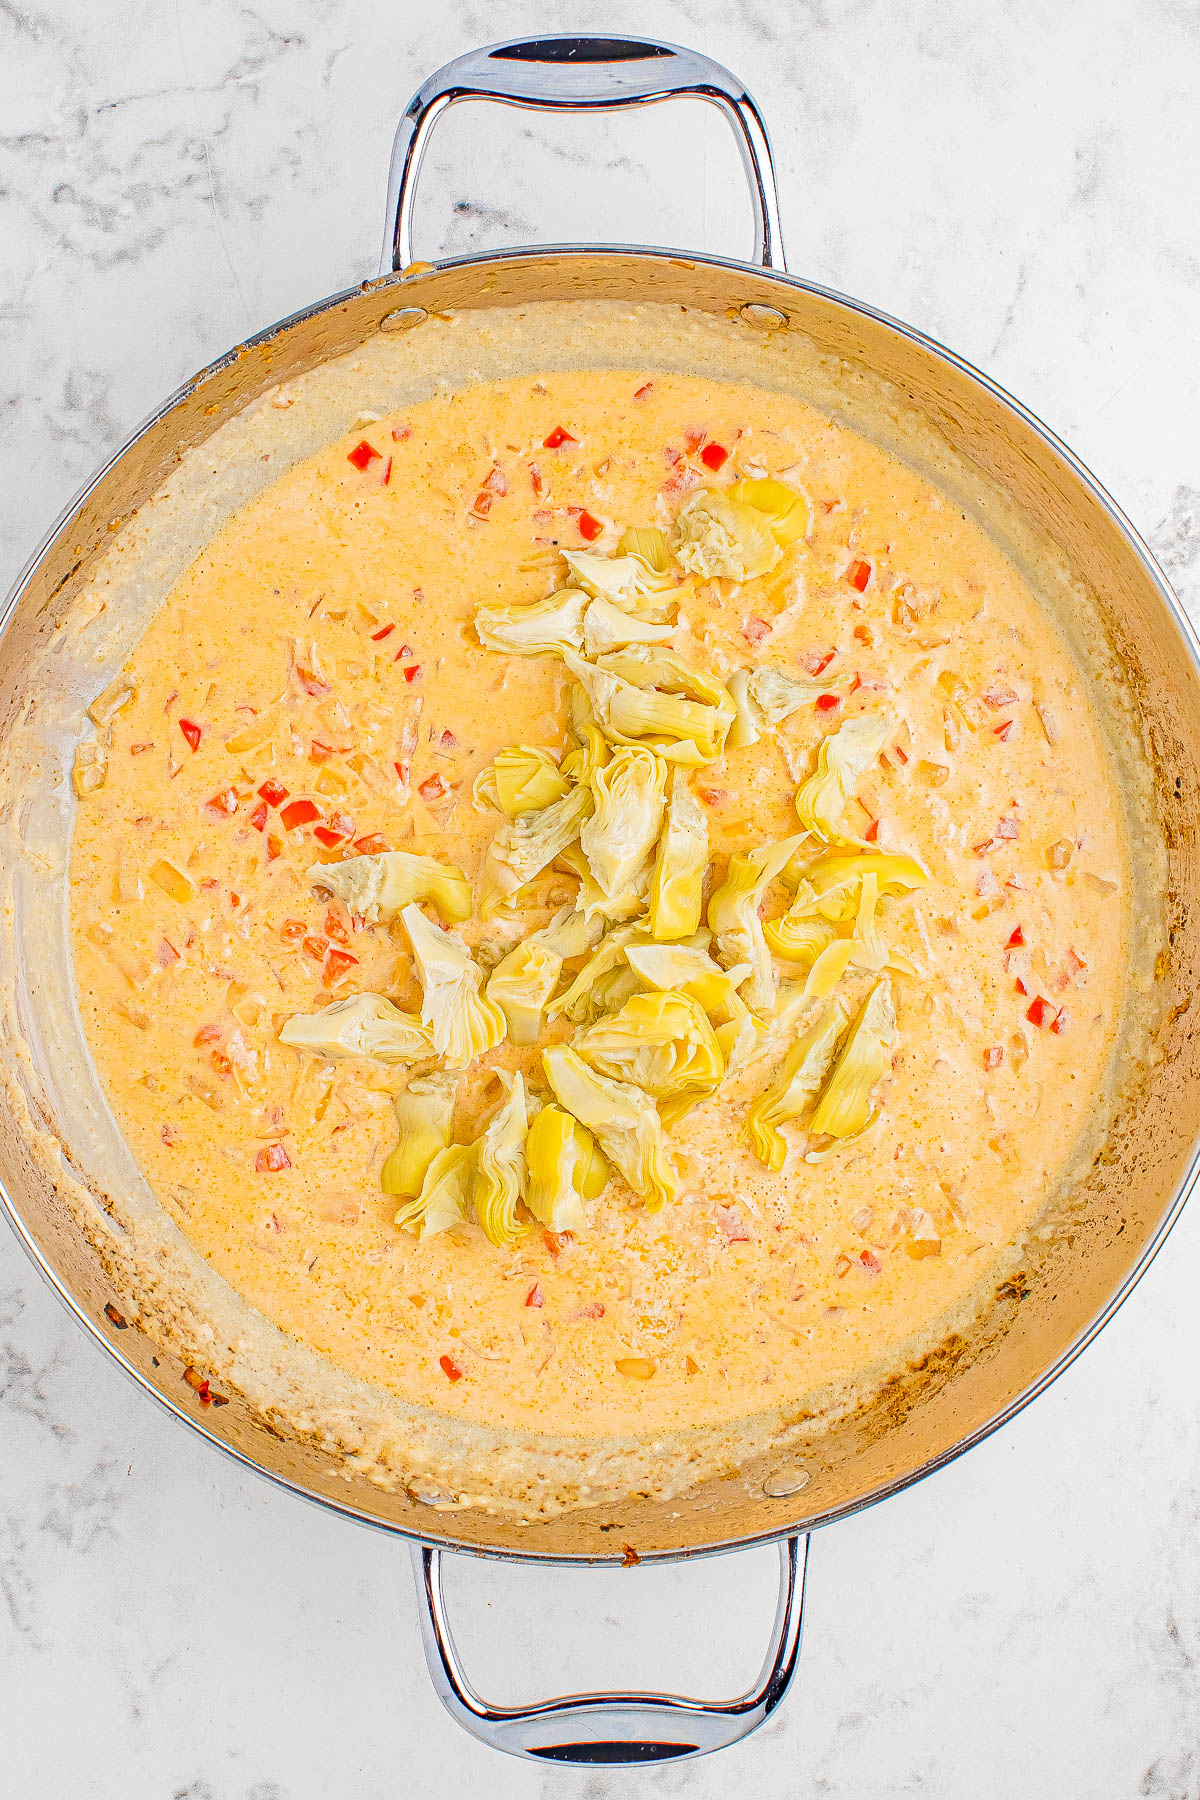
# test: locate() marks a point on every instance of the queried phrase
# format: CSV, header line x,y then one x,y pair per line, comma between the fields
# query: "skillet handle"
x,y
612,1728
581,74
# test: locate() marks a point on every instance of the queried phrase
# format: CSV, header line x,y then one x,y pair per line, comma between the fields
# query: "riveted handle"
x,y
581,74
616,1727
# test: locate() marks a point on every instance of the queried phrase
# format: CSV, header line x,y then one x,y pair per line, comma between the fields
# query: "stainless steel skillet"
x,y
1041,1320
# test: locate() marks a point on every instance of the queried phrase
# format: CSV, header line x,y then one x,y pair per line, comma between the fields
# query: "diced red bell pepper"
x,y
292,930
334,928
192,732
713,455
374,844
432,788
828,702
557,438
1016,941
412,671
755,630
271,1160
1003,731
994,1057
225,803
274,847
299,812
207,1034
327,836
534,1296
589,527
319,752
273,793
1060,1022
871,834
260,815
1041,1012
363,454
449,1368
377,637
858,575
337,965
315,947
312,684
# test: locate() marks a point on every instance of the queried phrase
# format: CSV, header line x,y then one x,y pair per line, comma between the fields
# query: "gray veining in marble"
x,y
1018,179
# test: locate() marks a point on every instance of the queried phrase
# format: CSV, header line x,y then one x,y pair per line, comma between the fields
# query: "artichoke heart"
x,y
829,886
786,512
798,938
445,1192
623,1119
521,984
520,780
650,695
423,1114
592,903
733,916
377,887
539,628
648,544
869,949
607,627
630,794
500,1168
676,892
628,582
523,846
778,695
608,955
690,969
747,722
723,537
565,1168
844,1108
804,1069
363,1025
661,1042
462,1022
844,756
569,933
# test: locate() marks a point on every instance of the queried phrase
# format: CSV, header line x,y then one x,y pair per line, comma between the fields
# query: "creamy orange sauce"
x,y
336,608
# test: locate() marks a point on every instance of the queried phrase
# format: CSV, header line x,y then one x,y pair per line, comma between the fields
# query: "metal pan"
x,y
1124,1208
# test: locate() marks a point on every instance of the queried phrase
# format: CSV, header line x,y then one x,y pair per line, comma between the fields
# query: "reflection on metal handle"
x,y
612,1728
581,74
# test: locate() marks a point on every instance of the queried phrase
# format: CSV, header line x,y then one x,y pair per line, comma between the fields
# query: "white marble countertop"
x,y
1013,179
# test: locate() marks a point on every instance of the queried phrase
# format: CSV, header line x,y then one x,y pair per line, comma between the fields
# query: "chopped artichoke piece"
x,y
778,695
445,1191
804,1069
115,698
462,1022
786,511
630,794
609,954
689,969
650,695
423,1114
564,1166
520,986
723,537
624,1120
569,933
844,1108
522,848
606,627
869,949
828,968
377,887
608,994
661,1042
844,756
798,939
648,544
541,628
363,1025
500,1169
733,916
593,903
747,724
676,892
520,780
829,885
627,581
